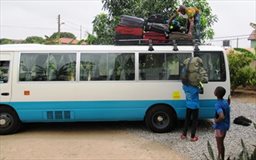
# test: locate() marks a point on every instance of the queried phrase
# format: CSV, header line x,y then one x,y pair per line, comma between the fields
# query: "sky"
x,y
22,18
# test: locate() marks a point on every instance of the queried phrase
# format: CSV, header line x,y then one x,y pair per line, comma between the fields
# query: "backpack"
x,y
193,72
184,73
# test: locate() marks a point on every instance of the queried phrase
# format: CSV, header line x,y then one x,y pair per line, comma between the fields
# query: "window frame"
x,y
8,72
47,53
223,68
107,57
166,53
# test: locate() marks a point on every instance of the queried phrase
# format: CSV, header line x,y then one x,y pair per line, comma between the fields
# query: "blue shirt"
x,y
192,96
223,106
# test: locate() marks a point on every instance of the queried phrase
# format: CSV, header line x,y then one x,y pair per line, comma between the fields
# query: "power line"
x,y
27,27
225,37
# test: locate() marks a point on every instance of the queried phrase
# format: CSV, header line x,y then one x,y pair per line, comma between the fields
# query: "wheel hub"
x,y
160,118
4,121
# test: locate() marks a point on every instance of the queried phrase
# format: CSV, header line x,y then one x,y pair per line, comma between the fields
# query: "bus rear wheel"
x,y
9,121
160,119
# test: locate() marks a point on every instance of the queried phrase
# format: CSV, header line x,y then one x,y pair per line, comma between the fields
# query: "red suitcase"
x,y
156,37
125,30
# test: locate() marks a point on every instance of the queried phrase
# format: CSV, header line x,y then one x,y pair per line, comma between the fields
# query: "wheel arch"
x,y
9,107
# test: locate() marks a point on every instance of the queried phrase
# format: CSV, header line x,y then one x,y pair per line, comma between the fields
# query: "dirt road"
x,y
81,141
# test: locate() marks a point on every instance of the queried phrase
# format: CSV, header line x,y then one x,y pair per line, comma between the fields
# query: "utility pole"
x,y
81,31
237,42
59,24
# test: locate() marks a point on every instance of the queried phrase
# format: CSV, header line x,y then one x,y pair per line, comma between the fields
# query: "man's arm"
x,y
172,17
220,118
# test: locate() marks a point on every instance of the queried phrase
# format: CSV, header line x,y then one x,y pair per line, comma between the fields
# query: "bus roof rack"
x,y
155,42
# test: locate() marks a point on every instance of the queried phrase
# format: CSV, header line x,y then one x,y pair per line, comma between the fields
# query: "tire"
x,y
160,119
9,121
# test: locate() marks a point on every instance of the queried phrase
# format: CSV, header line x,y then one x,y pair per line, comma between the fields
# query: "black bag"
x,y
156,18
241,120
131,21
157,27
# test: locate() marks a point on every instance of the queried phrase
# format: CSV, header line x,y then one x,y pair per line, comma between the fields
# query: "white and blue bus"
x,y
68,83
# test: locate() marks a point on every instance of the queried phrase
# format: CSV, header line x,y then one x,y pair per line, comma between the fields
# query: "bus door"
x,y
5,77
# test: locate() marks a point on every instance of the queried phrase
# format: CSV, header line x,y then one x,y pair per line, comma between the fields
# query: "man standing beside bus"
x,y
192,110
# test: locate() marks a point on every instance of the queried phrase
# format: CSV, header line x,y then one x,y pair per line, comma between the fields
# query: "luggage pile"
x,y
134,30
129,28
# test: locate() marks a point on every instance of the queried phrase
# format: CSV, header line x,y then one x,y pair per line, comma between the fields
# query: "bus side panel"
x,y
100,110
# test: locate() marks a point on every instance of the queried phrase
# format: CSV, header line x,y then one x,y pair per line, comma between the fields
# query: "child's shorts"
x,y
219,133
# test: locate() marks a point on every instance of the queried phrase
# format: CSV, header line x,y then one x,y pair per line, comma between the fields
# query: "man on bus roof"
x,y
193,16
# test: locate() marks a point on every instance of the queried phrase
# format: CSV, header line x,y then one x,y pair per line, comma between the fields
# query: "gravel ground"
x,y
195,150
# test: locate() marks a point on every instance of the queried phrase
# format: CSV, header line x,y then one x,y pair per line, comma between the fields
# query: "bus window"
x,y
214,65
174,63
4,71
93,67
47,67
33,67
61,67
161,66
112,66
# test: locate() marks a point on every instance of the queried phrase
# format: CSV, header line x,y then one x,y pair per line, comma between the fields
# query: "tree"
x,y
6,41
103,26
34,39
145,8
91,39
140,8
62,35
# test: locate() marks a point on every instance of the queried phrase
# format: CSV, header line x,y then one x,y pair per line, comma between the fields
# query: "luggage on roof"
x,y
157,38
157,27
135,31
131,21
156,18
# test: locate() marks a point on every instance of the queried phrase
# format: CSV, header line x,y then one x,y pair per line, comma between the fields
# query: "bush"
x,y
240,71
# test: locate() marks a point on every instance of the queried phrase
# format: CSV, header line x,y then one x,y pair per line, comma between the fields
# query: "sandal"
x,y
194,139
183,137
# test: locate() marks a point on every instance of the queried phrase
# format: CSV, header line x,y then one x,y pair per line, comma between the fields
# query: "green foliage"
x,y
56,35
246,53
210,150
240,72
103,26
139,8
91,39
34,39
207,17
6,41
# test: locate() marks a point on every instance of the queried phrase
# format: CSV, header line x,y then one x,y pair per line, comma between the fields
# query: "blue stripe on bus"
x,y
133,110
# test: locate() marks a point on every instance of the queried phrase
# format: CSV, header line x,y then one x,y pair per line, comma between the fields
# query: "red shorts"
x,y
219,133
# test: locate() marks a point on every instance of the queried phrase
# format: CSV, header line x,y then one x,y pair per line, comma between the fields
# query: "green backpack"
x,y
193,72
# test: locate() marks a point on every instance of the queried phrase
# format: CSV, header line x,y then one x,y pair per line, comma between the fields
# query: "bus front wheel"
x,y
160,119
9,121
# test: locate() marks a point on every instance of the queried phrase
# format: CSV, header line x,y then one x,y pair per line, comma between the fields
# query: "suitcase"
x,y
125,30
157,27
127,36
131,21
156,37
156,18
